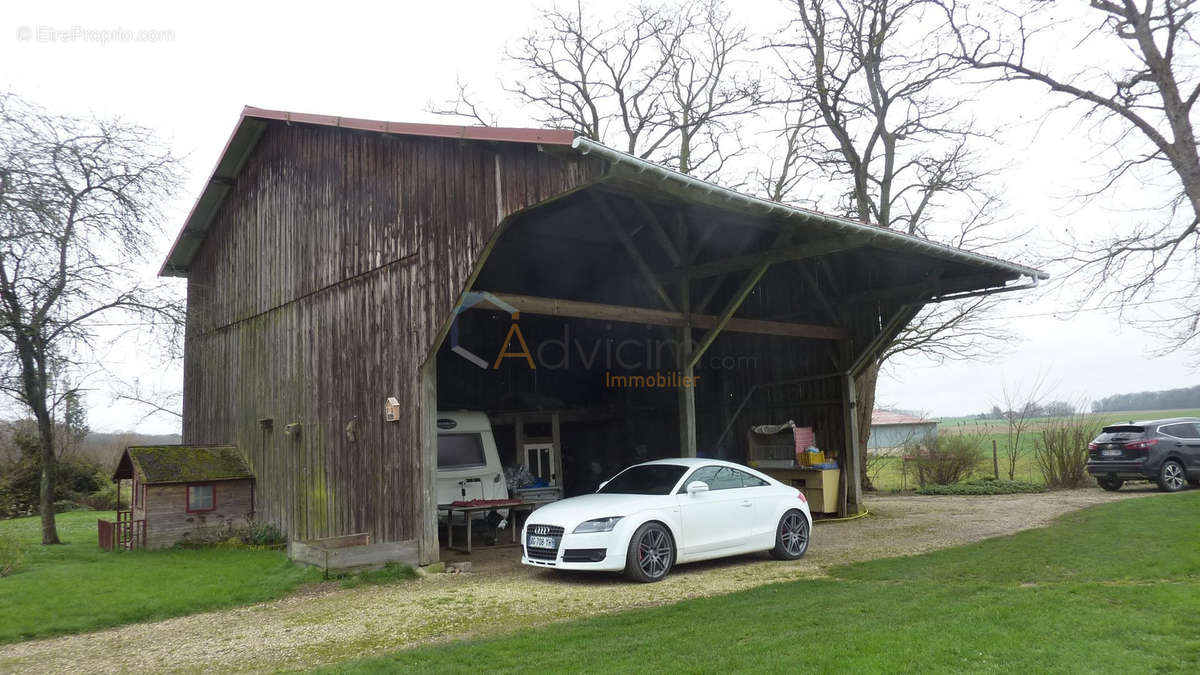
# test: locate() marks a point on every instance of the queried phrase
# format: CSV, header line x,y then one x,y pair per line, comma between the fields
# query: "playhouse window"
x,y
201,498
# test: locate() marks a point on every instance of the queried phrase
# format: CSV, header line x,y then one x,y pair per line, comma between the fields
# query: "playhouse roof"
x,y
181,463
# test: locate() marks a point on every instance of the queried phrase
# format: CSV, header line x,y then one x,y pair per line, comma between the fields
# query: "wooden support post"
x,y
427,538
687,394
850,499
556,451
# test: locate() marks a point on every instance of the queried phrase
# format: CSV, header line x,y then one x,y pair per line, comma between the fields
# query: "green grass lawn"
x,y
1114,588
77,587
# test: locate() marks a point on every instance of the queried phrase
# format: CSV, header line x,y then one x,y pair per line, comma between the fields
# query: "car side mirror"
x,y
696,487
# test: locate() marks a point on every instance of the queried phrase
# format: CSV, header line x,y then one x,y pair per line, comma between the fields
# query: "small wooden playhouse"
x,y
178,491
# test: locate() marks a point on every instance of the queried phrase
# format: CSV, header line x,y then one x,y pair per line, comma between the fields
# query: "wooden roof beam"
x,y
631,248
727,314
577,309
814,249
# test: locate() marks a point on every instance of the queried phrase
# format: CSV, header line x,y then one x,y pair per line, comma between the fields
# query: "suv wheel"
x,y
1171,477
1110,484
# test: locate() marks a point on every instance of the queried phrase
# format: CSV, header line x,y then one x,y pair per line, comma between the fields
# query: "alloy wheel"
x,y
654,553
793,532
1173,476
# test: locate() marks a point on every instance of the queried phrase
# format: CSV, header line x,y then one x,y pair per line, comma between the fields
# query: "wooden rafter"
x,y
726,316
656,229
772,255
631,248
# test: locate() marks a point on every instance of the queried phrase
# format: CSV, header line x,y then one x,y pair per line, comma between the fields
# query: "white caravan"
x,y
468,464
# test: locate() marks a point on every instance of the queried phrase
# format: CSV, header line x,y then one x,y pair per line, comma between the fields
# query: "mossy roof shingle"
x,y
182,463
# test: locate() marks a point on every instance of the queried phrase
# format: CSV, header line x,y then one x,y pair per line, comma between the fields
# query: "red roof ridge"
x,y
478,133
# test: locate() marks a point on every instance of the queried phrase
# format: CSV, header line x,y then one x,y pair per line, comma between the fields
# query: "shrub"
x,y
983,486
944,459
1061,452
11,554
105,498
255,534
66,506
20,484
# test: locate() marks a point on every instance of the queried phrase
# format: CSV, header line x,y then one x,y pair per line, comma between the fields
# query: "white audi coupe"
x,y
653,516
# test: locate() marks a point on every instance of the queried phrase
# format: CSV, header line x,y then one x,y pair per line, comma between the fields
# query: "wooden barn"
x,y
178,492
348,278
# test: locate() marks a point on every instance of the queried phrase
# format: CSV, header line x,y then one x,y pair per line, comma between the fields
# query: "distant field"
x,y
892,475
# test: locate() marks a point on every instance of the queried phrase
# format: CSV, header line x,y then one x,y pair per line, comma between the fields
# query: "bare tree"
x,y
871,112
1141,96
667,83
1022,405
79,199
155,402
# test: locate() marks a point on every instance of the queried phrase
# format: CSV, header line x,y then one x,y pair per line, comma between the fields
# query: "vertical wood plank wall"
x,y
323,282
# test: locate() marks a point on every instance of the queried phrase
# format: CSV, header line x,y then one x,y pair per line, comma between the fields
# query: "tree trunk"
x,y
33,382
49,469
864,387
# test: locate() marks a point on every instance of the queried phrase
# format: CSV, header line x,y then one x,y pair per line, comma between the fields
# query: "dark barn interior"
x,y
617,249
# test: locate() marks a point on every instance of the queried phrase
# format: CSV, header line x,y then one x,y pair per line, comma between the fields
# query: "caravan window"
x,y
459,451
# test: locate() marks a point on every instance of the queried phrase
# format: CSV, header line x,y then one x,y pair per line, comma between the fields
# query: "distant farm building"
x,y
179,491
890,430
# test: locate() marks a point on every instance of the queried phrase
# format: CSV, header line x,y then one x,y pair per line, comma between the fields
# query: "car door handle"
x,y
747,503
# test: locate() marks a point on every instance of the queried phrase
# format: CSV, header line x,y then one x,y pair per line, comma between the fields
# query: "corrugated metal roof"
x,y
876,235
252,123
886,417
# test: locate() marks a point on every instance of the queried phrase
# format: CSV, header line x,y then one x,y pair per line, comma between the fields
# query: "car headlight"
x,y
597,525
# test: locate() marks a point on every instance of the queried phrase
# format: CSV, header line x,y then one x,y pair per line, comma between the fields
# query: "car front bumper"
x,y
578,552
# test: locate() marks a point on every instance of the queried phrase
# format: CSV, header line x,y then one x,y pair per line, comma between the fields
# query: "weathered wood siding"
x,y
324,281
168,521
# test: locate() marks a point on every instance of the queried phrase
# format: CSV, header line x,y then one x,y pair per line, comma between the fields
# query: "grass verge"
x,y
76,587
1114,588
983,486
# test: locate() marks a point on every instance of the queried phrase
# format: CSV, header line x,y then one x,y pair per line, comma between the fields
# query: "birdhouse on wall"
x,y
391,410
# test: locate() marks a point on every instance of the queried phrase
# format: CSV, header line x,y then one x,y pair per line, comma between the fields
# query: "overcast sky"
x,y
190,67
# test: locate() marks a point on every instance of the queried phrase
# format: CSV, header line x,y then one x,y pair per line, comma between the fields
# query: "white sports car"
x,y
653,516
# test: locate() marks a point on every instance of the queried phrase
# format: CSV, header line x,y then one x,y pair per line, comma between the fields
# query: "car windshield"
x,y
645,479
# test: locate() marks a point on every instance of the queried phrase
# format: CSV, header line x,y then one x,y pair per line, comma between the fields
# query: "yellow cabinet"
x,y
820,486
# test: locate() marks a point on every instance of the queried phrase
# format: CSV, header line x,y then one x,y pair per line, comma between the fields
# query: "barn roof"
x,y
880,418
181,463
253,122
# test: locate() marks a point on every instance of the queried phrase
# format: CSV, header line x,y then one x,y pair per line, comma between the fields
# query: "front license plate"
x,y
1110,453
542,542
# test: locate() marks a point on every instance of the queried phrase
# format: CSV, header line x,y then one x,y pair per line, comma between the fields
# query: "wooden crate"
x,y
351,552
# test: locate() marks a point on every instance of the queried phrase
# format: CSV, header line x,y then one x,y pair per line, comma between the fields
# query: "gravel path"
x,y
327,624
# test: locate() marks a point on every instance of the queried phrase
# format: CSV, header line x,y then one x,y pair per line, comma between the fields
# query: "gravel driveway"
x,y
327,624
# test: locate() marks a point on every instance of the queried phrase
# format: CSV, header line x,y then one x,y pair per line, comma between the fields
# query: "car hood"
x,y
570,512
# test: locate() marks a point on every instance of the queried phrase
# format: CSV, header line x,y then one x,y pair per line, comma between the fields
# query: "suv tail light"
x,y
1093,446
1142,445
802,497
